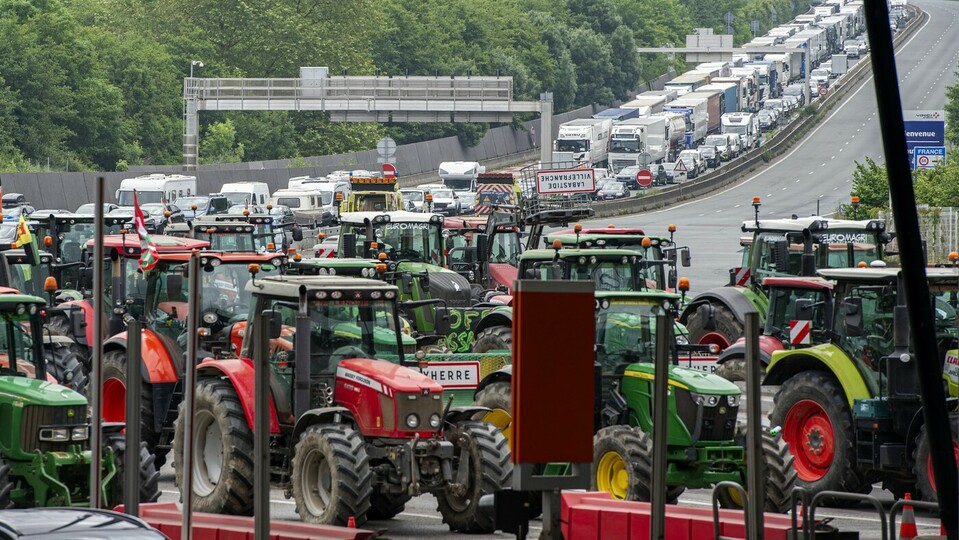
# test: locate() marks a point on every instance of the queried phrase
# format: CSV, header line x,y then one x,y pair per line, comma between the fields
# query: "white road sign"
x,y
454,374
565,181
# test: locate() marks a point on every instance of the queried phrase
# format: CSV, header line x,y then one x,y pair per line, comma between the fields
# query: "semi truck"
x,y
743,124
714,107
745,92
695,115
687,82
675,134
583,142
618,115
729,95
638,141
768,79
460,176
646,105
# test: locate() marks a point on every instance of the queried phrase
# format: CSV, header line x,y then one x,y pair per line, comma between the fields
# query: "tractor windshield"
x,y
29,279
625,334
847,248
865,325
241,241
416,241
17,347
782,311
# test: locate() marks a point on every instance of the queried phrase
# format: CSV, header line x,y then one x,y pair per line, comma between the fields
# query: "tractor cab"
x,y
64,236
485,249
610,269
20,274
241,232
20,354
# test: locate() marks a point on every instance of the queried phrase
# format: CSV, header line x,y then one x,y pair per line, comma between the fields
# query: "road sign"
x,y
680,166
558,181
924,128
389,170
823,91
928,157
644,178
386,147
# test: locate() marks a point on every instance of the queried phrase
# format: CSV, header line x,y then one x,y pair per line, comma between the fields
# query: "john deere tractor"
x,y
44,445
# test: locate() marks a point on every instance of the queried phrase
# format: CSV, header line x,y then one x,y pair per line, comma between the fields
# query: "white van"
x,y
155,188
309,204
246,193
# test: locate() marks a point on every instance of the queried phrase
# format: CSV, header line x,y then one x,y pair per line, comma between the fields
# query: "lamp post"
x,y
193,63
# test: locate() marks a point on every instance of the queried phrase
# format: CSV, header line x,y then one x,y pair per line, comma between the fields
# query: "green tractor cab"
x,y
44,449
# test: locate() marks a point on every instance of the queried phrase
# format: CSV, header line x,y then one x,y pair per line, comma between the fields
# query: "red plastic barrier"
x,y
588,515
167,518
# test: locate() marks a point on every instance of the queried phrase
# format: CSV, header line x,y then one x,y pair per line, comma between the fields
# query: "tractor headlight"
x,y
81,433
321,271
733,400
210,317
705,400
681,339
54,434
434,420
412,421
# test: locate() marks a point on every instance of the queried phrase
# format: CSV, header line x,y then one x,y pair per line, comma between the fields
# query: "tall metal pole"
x,y
546,128
755,474
657,530
261,427
911,258
131,475
96,374
189,391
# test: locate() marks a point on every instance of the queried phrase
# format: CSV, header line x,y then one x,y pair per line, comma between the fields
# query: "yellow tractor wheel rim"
x,y
501,419
612,475
735,497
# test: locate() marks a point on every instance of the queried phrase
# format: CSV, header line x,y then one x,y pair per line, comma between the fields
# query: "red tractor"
x,y
356,430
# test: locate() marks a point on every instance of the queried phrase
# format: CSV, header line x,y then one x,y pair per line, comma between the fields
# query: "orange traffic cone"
x,y
351,523
908,527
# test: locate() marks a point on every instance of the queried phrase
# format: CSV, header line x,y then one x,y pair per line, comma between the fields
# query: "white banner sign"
x,y
565,181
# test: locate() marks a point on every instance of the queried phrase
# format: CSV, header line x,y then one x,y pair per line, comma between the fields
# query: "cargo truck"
x,y
646,105
675,134
729,95
618,115
687,82
714,106
638,141
695,115
745,125
768,79
669,94
583,142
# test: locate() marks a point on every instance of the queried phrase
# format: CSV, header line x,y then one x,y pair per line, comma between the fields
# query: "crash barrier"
x,y
166,518
588,515
738,169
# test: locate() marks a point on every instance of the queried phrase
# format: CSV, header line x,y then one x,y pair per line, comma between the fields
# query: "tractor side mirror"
x,y
174,286
78,324
804,309
348,241
425,282
407,280
686,259
297,234
852,314
781,254
442,321
276,324
481,242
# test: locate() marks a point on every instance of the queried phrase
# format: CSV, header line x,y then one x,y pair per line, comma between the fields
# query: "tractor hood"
x,y
24,391
694,380
386,377
444,284
503,274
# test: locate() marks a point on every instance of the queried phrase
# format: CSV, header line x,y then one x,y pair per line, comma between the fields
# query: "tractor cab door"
x,y
864,325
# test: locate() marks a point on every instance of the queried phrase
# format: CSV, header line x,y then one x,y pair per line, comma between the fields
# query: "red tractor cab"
x,y
484,249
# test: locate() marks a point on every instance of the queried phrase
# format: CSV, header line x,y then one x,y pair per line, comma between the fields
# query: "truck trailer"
x,y
714,107
695,115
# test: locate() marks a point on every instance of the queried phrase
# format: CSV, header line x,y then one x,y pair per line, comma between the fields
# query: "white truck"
x,y
583,142
155,188
696,115
247,193
675,134
646,105
637,141
743,124
460,176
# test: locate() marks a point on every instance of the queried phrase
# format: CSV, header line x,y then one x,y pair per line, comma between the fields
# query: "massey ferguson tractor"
x,y
356,429
44,451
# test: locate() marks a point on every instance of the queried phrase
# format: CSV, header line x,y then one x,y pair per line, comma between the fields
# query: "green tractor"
x,y
44,449
850,407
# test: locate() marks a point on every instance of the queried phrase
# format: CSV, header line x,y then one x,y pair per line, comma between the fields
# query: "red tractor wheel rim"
x,y
811,439
714,338
929,471
114,400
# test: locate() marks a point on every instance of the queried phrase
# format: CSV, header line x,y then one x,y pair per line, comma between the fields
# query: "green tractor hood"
x,y
693,380
24,391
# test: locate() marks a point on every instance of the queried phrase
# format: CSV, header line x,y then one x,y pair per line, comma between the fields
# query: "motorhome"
x,y
246,193
155,188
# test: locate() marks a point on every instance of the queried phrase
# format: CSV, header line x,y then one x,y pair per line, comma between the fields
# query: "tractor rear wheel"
x,y
59,325
66,368
149,476
493,338
724,320
114,395
623,465
733,369
922,464
386,505
496,398
490,470
332,481
816,422
6,486
222,450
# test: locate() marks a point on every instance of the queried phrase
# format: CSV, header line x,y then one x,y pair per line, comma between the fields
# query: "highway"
x,y
816,174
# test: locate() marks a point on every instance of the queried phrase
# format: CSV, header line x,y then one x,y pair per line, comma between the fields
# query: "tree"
x,y
870,184
952,114
219,145
565,89
625,62
591,55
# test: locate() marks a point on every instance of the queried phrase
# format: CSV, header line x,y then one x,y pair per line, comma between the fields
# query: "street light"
x,y
196,63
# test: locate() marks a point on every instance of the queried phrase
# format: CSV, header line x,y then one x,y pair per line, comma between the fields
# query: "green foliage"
x,y
219,145
870,184
952,114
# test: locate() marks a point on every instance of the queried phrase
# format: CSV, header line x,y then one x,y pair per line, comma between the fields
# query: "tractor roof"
x,y
129,244
813,223
229,257
885,274
651,296
568,253
588,240
396,217
83,218
19,256
218,220
607,230
798,282
470,222
350,288
13,296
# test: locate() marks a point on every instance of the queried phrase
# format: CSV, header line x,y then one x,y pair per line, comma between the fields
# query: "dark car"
x,y
204,205
282,216
767,119
628,176
74,523
613,190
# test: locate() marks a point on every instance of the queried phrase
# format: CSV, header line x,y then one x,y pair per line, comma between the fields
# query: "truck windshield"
x,y
125,197
238,198
459,184
417,242
624,145
737,130
572,145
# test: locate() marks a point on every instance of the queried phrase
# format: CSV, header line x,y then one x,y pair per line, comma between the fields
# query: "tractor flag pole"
x,y
148,252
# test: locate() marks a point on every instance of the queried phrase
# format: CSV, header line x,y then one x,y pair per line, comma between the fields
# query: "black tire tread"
x,y
733,369
60,362
492,338
726,324
780,477
635,447
149,476
353,479
6,486
920,455
496,395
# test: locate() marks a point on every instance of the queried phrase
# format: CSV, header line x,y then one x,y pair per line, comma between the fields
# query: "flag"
x,y
148,252
25,240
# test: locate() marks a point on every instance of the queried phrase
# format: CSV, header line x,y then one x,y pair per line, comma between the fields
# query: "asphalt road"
x,y
814,176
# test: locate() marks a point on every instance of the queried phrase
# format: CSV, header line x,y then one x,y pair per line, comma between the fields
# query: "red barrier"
x,y
167,518
588,515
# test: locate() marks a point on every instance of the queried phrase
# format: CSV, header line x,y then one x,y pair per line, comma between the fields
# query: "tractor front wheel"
x,y
779,479
623,465
490,470
733,369
496,398
332,481
222,450
816,422
149,476
493,338
922,464
114,396
723,320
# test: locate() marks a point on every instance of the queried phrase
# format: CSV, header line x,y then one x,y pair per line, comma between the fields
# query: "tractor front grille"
x,y
40,416
717,423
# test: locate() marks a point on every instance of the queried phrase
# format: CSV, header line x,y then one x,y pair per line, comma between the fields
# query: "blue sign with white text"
x,y
928,157
924,128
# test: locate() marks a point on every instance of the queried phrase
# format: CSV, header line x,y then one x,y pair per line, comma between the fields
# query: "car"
x,y
720,143
767,119
693,161
779,106
792,102
243,209
446,201
672,175
628,176
795,90
282,215
156,214
863,45
413,199
711,155
72,523
13,213
87,209
204,205
851,48
613,190
817,78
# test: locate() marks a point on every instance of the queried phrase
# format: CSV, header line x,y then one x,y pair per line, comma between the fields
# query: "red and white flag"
x,y
148,252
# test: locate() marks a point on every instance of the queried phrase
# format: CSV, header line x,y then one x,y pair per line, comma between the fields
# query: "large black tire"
x,y
149,476
115,371
337,453
59,325
723,318
220,433
386,506
733,369
815,418
6,486
493,338
496,397
619,450
490,471
66,368
922,464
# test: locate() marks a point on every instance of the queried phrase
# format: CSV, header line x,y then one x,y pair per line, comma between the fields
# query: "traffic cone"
x,y
351,523
908,527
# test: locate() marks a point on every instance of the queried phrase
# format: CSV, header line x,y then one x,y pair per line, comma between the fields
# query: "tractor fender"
x,y
739,300
240,373
828,358
504,374
460,414
767,346
498,316
158,364
323,415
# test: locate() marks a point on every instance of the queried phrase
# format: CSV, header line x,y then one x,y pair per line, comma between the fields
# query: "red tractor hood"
x,y
385,377
503,274
767,344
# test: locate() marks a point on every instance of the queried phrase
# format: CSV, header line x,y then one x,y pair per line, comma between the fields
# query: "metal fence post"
x,y
755,475
131,475
664,325
96,374
261,427
189,392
